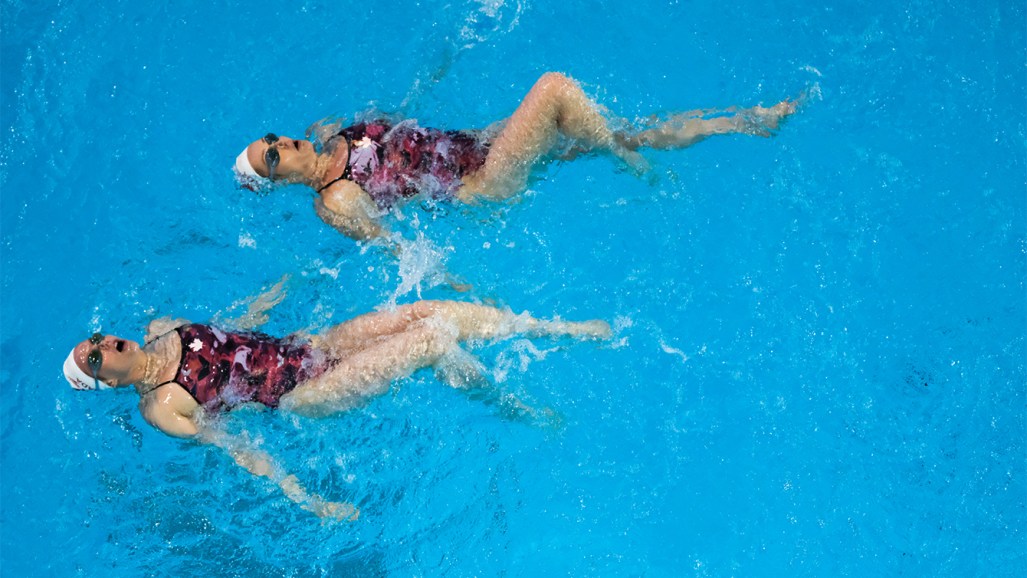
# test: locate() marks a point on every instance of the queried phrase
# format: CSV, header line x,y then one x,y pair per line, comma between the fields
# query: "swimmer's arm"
x,y
256,308
163,415
260,463
162,325
350,210
171,422
347,208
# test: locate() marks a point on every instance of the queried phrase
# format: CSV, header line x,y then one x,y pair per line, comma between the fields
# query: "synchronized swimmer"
x,y
360,172
188,372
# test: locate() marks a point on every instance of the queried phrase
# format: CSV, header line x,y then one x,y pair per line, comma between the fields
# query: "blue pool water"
x,y
819,361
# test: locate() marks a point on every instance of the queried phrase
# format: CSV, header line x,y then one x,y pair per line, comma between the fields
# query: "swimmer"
x,y
361,171
185,374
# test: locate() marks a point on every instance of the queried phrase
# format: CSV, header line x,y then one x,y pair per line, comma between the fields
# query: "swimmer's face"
x,y
296,158
117,358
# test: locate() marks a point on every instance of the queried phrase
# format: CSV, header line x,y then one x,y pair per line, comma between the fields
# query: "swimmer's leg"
x,y
368,372
472,322
363,330
688,128
463,371
555,105
410,338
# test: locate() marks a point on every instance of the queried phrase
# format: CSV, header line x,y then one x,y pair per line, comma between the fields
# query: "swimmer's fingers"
x,y
457,284
332,511
268,299
322,130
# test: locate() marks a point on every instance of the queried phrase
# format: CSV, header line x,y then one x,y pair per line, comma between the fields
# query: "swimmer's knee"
x,y
487,186
554,81
550,77
425,308
300,402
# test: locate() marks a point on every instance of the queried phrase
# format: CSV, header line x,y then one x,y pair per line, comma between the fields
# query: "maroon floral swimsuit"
x,y
393,162
222,370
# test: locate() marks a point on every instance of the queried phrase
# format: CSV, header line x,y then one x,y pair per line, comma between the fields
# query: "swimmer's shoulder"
x,y
345,197
170,409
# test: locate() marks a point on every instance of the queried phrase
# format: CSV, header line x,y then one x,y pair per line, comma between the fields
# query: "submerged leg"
x,y
555,105
459,369
463,371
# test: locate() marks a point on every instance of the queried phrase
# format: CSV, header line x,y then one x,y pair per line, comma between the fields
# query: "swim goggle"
x,y
95,357
271,156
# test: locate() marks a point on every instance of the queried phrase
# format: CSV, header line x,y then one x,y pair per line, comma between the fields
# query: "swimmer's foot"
x,y
762,121
331,511
514,409
625,151
594,329
529,326
636,163
461,370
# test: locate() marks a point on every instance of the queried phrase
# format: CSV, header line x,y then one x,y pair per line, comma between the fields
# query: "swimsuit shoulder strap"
x,y
159,385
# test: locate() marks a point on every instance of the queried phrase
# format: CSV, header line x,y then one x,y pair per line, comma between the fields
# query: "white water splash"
x,y
673,351
421,267
519,356
493,17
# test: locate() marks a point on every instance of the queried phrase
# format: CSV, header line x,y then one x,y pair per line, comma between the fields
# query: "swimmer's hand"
x,y
162,325
456,284
317,505
256,308
323,130
329,511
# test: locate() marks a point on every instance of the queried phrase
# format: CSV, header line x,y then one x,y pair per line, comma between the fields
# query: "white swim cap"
x,y
247,175
78,378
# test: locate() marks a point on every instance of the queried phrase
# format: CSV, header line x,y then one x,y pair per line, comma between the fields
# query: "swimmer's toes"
x,y
765,122
550,419
786,108
633,160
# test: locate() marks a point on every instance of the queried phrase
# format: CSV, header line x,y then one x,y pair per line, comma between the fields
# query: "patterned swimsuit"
x,y
394,162
222,370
